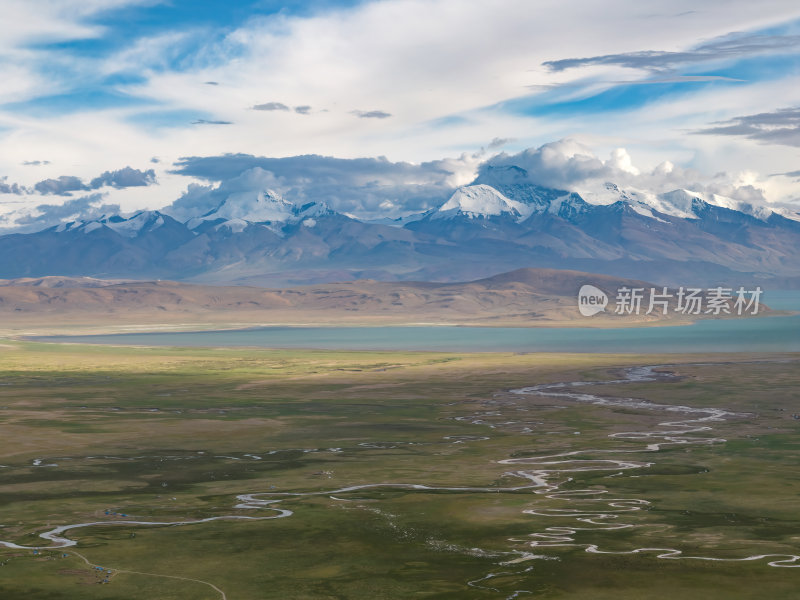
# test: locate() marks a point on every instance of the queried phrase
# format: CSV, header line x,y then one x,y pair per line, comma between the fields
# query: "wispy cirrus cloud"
x,y
776,127
734,45
211,122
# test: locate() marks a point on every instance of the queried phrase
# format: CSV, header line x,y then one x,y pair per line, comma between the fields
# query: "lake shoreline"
x,y
776,333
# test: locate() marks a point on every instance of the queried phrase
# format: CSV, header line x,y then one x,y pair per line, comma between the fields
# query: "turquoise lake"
x,y
761,334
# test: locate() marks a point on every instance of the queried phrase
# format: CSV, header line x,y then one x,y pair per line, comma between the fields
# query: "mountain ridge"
x,y
521,298
498,223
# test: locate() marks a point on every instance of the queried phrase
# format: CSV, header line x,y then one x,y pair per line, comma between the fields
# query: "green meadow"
x,y
90,434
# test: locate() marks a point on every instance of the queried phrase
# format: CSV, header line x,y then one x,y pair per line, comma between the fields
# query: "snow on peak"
x,y
313,209
480,200
267,208
68,226
89,227
233,225
680,203
146,220
687,200
260,207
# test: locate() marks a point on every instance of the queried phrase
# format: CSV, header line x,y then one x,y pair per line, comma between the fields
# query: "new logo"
x,y
591,300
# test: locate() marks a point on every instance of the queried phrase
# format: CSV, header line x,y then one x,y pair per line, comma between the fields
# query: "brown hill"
x,y
525,297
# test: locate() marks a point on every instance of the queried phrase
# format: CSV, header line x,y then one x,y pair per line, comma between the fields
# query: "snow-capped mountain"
x,y
682,203
132,226
265,206
480,201
514,183
500,222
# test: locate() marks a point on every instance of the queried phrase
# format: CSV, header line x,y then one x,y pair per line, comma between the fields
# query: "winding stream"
x,y
668,433
590,509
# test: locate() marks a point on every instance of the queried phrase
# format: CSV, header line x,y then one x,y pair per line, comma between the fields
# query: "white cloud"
x,y
433,65
573,166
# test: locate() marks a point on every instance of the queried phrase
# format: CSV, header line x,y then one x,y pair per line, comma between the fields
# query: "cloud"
x,y
35,163
561,164
78,209
61,186
206,122
781,127
211,82
733,45
788,174
124,178
570,165
679,79
200,199
447,80
377,187
366,187
499,143
303,109
271,106
12,188
372,114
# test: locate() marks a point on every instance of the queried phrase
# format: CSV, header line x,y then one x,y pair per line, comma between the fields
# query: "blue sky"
x,y
99,85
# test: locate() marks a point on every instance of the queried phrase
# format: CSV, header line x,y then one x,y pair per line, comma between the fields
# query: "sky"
x,y
385,106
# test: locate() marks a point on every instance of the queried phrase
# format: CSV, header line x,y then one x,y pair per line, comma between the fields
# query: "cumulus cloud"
x,y
124,178
61,186
35,163
271,106
570,165
499,143
366,187
358,55
376,187
777,127
302,110
371,114
12,188
559,164
201,199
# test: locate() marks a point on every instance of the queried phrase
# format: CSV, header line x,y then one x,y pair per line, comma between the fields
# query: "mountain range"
x,y
498,223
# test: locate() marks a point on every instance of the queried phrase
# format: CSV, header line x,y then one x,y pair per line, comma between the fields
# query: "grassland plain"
x,y
167,434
